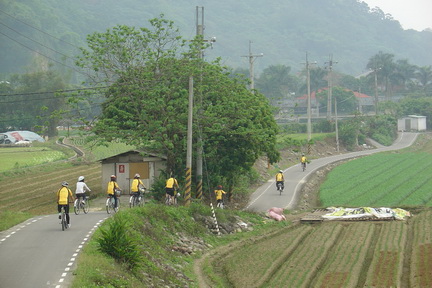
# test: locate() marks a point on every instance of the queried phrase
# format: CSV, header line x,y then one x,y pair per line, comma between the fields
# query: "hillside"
x,y
282,30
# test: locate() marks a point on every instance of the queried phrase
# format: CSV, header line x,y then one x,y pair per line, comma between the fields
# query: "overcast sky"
x,y
412,14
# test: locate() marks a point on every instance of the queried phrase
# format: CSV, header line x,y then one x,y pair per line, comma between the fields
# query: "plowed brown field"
x,y
330,254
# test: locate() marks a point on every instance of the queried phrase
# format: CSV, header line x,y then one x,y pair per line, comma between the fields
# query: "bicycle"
x,y
81,205
110,204
136,200
171,200
280,188
220,204
63,220
303,164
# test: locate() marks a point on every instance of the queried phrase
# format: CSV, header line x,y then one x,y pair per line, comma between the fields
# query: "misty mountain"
x,y
283,30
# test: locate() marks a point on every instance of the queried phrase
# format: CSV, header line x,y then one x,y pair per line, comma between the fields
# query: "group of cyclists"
x,y
65,193
113,189
280,176
137,188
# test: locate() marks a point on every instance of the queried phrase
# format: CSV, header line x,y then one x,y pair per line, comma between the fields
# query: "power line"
x,y
51,92
39,29
48,115
80,72
19,33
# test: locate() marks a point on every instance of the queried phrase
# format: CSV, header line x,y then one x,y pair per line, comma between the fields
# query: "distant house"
x,y
127,164
363,102
412,123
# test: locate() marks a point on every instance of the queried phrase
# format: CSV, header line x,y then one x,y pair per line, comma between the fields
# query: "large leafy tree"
x,y
148,71
276,83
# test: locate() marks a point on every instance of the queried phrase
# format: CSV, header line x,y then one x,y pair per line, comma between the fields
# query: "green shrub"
x,y
119,242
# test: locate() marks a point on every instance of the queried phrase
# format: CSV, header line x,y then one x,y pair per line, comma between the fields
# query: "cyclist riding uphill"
x,y
219,194
303,159
81,189
137,186
63,195
280,179
112,186
171,186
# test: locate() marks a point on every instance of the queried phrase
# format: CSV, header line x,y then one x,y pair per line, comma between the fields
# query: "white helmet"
x,y
65,184
137,176
80,178
280,171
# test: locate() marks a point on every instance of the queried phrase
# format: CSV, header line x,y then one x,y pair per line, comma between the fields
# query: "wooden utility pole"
x,y
252,59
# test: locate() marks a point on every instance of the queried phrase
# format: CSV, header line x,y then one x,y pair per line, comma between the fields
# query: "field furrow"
x,y
421,258
266,255
301,267
386,267
31,198
347,258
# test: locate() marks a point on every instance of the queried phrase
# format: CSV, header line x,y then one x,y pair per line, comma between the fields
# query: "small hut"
x,y
412,123
127,164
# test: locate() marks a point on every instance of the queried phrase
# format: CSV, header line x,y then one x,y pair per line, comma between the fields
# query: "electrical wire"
x,y
19,33
80,72
31,26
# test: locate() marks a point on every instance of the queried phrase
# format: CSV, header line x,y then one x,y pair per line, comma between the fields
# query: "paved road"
x,y
266,196
37,253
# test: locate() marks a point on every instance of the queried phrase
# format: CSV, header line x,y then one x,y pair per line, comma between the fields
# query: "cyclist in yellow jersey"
x,y
137,185
280,179
219,194
303,160
112,186
63,195
171,186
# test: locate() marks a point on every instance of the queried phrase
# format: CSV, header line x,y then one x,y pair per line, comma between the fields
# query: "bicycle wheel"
x,y
131,201
140,201
86,206
77,207
109,206
116,209
63,221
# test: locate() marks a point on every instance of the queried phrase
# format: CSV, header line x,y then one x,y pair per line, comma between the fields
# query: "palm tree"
x,y
403,74
424,79
383,65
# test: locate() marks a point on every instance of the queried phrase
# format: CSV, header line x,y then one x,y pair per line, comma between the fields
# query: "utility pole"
x,y
252,59
189,145
309,124
330,86
329,97
199,160
336,125
376,89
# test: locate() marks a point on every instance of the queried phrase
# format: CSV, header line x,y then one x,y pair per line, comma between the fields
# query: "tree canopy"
x,y
148,72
